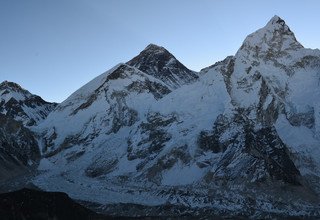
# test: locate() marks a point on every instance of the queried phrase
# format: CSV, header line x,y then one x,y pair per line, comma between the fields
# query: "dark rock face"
x,y
18,147
265,145
209,141
156,89
32,204
159,63
268,116
101,167
260,154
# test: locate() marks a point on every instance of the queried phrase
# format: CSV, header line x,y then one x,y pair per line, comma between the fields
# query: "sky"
x,y
53,47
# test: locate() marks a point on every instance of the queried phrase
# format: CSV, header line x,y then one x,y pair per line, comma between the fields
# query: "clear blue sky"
x,y
52,47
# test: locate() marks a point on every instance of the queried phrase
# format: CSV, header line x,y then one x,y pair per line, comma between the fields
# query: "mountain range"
x,y
238,138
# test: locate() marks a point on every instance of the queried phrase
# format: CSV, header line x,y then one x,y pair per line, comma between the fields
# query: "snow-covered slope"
x,y
21,105
242,138
107,105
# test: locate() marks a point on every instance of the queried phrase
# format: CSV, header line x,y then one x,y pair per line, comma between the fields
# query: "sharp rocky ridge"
x,y
240,137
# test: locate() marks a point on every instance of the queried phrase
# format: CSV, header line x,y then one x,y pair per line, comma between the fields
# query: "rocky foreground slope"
x,y
239,138
33,204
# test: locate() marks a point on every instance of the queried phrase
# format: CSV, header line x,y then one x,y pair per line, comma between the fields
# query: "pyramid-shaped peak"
x,y
277,23
275,36
158,62
154,47
152,55
276,20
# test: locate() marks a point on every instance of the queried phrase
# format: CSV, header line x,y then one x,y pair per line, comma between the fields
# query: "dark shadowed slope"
x,y
32,204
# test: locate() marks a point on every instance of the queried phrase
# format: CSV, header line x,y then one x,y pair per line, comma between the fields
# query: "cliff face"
x,y
19,149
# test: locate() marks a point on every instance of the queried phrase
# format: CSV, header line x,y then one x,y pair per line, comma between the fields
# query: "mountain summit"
x,y
161,64
274,39
11,86
21,105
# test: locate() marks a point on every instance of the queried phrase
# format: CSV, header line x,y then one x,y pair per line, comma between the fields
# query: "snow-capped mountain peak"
x,y
10,90
161,64
153,54
21,105
8,84
277,24
274,39
276,20
155,49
